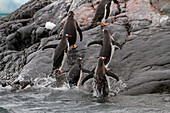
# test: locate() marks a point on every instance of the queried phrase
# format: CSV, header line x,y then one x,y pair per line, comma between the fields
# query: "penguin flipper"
x,y
117,44
91,74
87,78
80,32
112,75
50,46
99,42
85,70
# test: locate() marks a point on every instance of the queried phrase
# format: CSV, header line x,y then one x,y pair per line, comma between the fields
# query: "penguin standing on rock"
x,y
100,83
75,73
72,28
103,11
108,46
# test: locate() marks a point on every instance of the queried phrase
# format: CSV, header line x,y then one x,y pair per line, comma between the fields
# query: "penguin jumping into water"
x,y
18,85
103,11
108,47
100,83
60,53
72,28
75,73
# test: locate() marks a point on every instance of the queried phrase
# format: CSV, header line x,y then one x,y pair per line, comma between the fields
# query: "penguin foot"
x,y
84,19
74,46
103,24
59,71
108,69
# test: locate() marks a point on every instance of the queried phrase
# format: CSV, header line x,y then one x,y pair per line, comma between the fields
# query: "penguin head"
x,y
79,59
116,2
101,61
68,36
71,14
105,30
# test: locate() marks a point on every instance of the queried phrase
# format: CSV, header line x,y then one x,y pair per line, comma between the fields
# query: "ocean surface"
x,y
2,14
40,99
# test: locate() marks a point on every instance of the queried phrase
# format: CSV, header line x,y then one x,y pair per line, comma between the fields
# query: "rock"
x,y
167,99
39,33
15,27
11,42
142,63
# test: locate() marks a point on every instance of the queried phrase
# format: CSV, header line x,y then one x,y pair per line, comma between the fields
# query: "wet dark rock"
x,y
143,63
12,42
21,39
15,27
39,33
167,99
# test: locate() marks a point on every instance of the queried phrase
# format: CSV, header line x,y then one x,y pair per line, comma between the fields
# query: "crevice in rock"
x,y
156,9
142,83
127,56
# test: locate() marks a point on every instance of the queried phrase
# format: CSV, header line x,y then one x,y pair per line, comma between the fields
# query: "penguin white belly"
x,y
111,7
64,58
105,11
112,52
78,35
81,74
108,81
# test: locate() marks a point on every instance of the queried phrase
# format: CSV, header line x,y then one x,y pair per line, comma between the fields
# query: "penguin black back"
x,y
100,11
60,52
71,28
75,72
106,49
100,81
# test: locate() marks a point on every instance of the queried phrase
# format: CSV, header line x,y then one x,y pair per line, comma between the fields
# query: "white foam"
x,y
164,18
117,87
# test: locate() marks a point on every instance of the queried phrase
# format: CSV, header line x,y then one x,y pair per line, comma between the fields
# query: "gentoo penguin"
x,y
75,74
72,28
108,46
60,54
18,85
22,84
100,83
103,11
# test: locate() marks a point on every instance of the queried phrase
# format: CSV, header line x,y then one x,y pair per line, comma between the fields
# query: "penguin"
x,y
22,84
18,85
103,11
72,28
108,47
75,74
60,54
100,83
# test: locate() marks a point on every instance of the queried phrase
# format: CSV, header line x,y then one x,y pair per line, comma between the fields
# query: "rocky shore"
x,y
143,62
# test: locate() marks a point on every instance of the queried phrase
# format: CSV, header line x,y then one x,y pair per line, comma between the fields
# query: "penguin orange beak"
x,y
70,36
118,4
104,58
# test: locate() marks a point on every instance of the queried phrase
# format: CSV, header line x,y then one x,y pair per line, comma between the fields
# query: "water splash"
x,y
117,87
